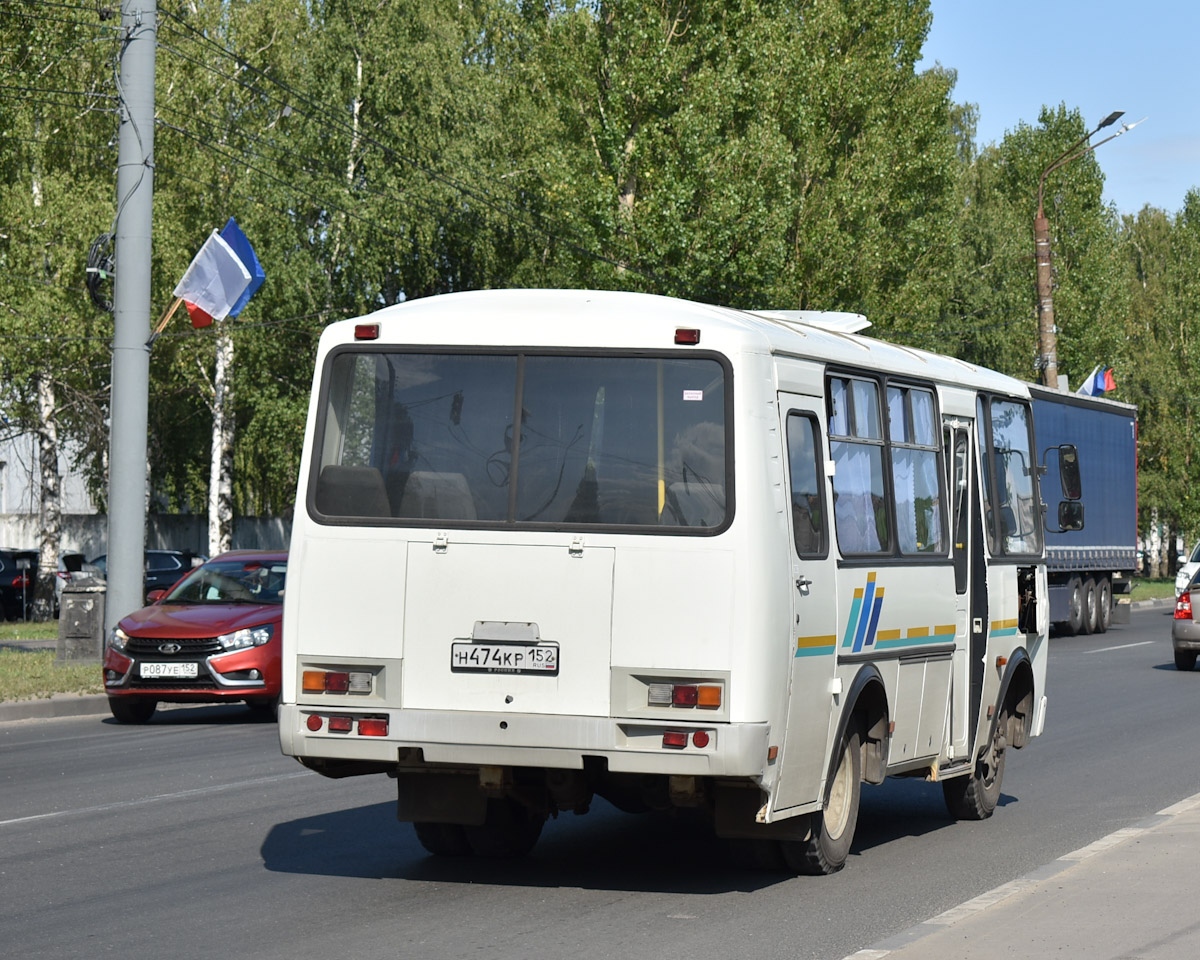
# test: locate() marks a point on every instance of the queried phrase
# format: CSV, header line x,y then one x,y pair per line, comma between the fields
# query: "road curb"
x,y
60,705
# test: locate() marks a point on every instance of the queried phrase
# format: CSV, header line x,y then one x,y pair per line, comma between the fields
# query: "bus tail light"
x,y
340,723
704,695
336,681
675,739
373,727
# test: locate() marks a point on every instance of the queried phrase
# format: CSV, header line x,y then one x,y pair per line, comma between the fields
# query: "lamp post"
x,y
1047,361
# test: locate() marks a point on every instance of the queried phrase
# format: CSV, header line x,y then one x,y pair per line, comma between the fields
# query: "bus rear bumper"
x,y
529,740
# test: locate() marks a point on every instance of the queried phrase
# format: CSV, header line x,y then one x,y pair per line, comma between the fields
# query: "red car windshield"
x,y
232,581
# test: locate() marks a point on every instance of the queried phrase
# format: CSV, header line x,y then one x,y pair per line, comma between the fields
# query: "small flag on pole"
x,y
220,280
1097,383
232,235
213,283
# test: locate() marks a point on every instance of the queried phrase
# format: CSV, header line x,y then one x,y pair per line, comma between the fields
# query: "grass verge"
x,y
33,675
1158,589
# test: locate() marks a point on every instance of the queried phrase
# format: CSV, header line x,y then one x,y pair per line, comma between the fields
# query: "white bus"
x,y
553,545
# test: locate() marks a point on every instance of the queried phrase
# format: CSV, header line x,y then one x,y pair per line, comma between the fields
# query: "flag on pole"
x,y
1097,383
232,235
214,282
221,278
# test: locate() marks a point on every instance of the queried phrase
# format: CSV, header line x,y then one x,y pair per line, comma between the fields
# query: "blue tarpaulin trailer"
x,y
1090,571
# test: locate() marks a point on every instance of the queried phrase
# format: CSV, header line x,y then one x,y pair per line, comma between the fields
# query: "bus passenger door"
x,y
970,586
812,572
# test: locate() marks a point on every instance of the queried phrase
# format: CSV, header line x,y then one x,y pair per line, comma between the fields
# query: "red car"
x,y
213,637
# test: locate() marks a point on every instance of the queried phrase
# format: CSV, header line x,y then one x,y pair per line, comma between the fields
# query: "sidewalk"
x,y
1129,895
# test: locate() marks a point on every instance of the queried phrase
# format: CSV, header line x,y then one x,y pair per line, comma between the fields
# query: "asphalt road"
x,y
192,837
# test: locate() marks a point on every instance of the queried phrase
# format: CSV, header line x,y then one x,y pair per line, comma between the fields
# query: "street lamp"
x,y
1047,361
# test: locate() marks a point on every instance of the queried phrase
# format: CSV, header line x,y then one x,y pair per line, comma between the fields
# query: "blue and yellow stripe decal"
x,y
1003,628
862,626
815,646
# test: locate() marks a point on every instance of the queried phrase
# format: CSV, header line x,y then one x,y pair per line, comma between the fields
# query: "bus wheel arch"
x,y
867,711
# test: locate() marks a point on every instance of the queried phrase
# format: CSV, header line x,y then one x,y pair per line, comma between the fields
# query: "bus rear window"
x,y
440,438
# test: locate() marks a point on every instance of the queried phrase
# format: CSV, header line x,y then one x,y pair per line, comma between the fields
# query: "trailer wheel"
x,y
508,833
974,797
1103,605
1089,606
443,839
828,845
1075,607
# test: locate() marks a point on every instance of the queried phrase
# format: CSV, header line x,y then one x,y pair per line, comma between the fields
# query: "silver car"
x,y
1185,628
1187,569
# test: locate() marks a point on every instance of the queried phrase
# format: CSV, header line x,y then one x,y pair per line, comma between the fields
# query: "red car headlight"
x,y
247,637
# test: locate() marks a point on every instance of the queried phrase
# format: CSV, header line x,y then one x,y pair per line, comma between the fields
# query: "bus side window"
x,y
808,500
860,503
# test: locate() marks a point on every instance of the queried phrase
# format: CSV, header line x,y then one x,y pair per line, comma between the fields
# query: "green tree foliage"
x,y
783,153
1162,377
57,117
993,312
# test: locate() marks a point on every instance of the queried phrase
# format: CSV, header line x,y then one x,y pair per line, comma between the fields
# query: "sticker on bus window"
x,y
693,394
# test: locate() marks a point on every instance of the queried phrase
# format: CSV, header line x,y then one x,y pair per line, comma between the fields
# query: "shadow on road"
x,y
605,850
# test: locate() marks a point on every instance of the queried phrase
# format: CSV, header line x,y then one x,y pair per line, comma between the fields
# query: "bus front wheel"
x,y
974,797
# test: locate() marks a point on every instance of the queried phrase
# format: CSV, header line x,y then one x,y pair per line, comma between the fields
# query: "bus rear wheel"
x,y
509,832
828,845
443,839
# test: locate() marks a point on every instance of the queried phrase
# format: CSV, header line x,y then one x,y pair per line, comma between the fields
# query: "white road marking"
x,y
1124,646
182,794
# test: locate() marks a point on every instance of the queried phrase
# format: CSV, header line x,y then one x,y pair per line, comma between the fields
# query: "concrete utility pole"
x,y
131,313
1047,361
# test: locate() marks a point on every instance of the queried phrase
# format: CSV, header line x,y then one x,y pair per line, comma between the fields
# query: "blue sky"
x,y
1013,56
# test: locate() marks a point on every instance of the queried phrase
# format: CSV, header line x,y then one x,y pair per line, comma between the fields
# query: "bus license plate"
x,y
177,671
535,658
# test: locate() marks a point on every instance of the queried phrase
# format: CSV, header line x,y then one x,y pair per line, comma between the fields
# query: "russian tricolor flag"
x,y
1099,382
221,278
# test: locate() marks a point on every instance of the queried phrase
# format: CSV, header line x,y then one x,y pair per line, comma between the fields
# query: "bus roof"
x,y
539,318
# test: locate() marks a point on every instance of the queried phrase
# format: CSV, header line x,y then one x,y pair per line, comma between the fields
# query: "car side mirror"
x,y
155,595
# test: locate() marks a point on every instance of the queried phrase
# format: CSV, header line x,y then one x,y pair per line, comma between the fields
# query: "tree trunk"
x,y
220,475
50,509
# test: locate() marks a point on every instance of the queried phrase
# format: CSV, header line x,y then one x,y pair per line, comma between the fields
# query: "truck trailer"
x,y
1090,571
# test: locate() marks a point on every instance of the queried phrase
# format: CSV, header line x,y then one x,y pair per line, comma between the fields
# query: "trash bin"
x,y
81,621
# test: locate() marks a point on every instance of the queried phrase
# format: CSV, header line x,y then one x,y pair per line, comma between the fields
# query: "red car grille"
x,y
188,649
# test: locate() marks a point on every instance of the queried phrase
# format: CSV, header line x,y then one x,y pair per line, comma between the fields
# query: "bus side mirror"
x,y
1068,475
1070,515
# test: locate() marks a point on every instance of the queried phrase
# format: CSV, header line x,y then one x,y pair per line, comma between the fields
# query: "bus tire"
x,y
1103,604
828,845
443,839
1076,608
974,797
508,833
1089,606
